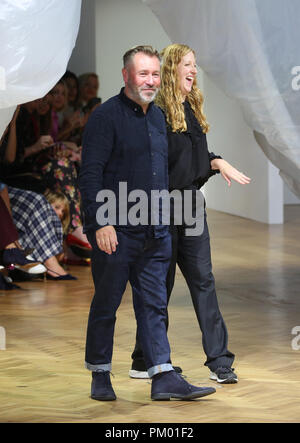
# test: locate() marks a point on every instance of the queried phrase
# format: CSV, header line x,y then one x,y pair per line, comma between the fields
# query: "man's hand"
x,y
229,173
107,239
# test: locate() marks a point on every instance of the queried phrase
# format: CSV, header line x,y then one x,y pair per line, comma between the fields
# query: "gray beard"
x,y
137,96
148,99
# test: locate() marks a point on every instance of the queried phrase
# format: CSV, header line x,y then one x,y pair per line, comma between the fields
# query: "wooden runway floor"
x,y
43,379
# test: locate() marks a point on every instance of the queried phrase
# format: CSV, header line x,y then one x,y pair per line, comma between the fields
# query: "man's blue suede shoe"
x,y
102,389
167,385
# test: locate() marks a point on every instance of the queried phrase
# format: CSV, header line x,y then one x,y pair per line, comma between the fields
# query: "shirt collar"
x,y
131,104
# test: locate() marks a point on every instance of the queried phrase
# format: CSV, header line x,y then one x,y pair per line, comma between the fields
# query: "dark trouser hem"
x,y
193,256
225,362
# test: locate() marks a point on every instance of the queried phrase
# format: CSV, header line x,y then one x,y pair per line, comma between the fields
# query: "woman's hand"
x,y
44,142
229,173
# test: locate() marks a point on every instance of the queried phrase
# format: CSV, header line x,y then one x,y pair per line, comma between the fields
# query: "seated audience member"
x,y
16,164
78,107
39,227
64,123
31,161
11,253
73,92
88,88
66,149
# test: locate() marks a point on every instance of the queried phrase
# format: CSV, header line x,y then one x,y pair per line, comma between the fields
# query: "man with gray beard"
x,y
125,141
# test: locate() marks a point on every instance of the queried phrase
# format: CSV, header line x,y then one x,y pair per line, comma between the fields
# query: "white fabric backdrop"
x,y
251,50
37,38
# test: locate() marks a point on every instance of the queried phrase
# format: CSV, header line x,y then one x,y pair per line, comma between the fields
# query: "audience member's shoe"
x,y
32,268
17,259
61,277
101,388
72,240
17,275
224,375
78,247
81,252
14,256
167,385
139,370
6,284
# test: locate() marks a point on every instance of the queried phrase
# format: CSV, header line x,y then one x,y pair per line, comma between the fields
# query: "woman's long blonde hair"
x,y
169,98
57,196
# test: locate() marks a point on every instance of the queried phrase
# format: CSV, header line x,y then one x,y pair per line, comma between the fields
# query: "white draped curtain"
x,y
37,38
251,50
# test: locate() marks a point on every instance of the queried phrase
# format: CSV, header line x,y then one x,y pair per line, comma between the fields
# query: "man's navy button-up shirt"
x,y
122,144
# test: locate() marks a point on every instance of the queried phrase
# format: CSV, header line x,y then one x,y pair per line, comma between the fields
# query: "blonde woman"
x,y
190,166
60,204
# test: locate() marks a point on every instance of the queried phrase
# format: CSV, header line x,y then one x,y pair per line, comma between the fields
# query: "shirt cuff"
x,y
213,156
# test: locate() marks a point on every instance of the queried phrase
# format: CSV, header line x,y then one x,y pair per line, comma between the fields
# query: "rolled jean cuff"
x,y
98,368
165,367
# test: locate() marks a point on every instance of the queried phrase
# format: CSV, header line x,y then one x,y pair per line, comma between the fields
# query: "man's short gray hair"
x,y
145,49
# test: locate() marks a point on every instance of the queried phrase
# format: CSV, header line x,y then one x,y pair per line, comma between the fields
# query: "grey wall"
x,y
122,24
83,58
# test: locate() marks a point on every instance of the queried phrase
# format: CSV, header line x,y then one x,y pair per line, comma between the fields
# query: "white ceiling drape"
x,y
251,50
37,38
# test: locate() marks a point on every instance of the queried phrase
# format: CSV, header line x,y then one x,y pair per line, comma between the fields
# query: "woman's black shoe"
x,y
6,285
